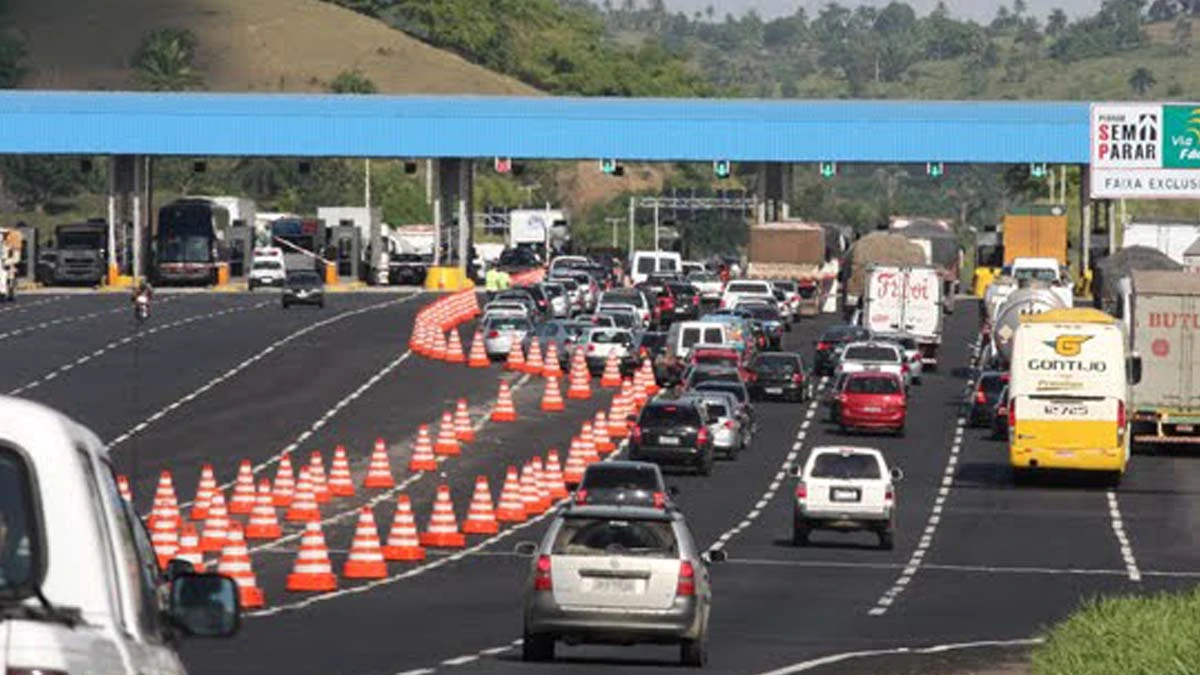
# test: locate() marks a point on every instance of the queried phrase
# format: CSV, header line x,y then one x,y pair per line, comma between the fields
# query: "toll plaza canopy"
x,y
285,125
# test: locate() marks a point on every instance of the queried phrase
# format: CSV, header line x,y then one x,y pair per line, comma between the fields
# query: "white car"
x,y
708,284
886,357
267,272
745,289
599,344
912,353
506,306
846,489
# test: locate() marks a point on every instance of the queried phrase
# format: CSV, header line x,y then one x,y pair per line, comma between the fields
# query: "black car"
x,y
986,396
624,484
779,374
303,287
517,259
687,300
673,431
1000,416
831,341
770,322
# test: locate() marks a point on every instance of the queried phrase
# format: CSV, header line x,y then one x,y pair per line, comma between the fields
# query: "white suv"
x,y
744,289
846,489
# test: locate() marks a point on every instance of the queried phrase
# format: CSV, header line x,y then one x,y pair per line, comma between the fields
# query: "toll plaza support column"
x,y
123,213
773,189
451,203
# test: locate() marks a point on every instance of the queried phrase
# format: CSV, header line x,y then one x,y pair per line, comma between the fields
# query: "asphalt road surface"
x,y
221,377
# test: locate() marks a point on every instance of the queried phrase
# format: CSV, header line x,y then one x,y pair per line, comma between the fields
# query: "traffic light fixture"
x,y
935,169
612,167
829,170
722,168
1037,170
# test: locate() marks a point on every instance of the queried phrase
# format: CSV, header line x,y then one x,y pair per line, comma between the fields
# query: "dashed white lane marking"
x,y
1118,527
777,479
58,322
813,664
461,660
890,596
66,367
22,306
255,359
418,671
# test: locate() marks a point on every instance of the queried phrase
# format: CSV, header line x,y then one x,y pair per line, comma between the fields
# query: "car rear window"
x,y
748,288
761,312
717,385
842,333
785,285
611,536
718,410
992,384
509,323
837,465
872,385
610,337
712,375
714,357
871,354
600,477
768,364
671,413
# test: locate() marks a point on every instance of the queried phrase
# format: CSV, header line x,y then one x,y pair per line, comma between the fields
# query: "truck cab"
x,y
1046,270
80,586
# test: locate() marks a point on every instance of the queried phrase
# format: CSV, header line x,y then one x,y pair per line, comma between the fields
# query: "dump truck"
x,y
906,299
942,250
1161,311
11,242
1031,232
791,250
878,248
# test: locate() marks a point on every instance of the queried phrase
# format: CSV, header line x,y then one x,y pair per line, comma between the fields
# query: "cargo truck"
x,y
81,253
906,300
1172,237
795,251
879,248
1032,232
1161,310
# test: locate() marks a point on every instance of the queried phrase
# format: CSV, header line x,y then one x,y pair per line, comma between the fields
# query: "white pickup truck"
x,y
1045,270
82,589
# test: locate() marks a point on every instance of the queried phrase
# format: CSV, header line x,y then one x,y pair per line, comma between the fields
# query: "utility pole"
x,y
656,225
632,218
614,222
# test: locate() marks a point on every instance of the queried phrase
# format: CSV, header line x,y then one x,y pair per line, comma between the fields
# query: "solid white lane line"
x,y
258,357
1118,527
33,384
813,664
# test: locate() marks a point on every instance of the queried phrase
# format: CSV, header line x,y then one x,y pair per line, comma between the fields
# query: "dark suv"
x,y
303,287
986,396
673,431
624,484
830,344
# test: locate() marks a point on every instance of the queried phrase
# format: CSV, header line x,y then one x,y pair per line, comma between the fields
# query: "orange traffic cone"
x,y
423,458
189,547
312,571
617,426
581,387
516,358
341,483
550,366
204,491
576,464
403,544
545,501
443,526
530,496
534,363
235,563
242,501
648,375
479,357
554,476
123,488
447,441
285,482
304,502
604,444
587,444
316,473
505,411
463,430
481,516
166,505
511,509
454,350
552,400
365,560
216,526
164,538
438,349
612,372
379,471
425,339
263,523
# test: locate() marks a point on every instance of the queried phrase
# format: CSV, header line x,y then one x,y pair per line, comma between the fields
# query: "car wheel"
x,y
537,648
800,532
321,304
286,304
706,464
887,538
694,653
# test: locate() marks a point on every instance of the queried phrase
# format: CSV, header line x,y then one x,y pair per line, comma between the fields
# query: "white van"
x,y
78,563
682,336
646,263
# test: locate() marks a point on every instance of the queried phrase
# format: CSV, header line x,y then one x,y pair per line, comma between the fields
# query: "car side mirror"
x,y
717,555
525,548
897,475
1135,368
204,605
176,568
796,471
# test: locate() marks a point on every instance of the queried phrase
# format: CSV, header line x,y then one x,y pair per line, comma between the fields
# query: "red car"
x,y
873,401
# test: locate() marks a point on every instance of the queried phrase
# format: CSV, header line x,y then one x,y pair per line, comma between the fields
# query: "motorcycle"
x,y
141,307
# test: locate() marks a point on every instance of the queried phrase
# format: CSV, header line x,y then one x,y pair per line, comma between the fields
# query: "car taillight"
x,y
904,367
752,376
494,334
1012,414
980,397
1121,415
591,348
762,342
636,433
695,301
581,496
798,378
722,303
729,424
541,576
643,352
660,500
889,495
702,436
801,491
822,346
687,580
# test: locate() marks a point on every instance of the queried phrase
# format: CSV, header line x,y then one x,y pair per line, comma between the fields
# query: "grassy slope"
x,y
244,45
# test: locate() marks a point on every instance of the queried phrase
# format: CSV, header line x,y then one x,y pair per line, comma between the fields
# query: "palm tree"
x,y
163,60
1141,80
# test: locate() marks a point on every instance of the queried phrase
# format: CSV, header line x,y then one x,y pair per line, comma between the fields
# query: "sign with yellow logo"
x,y
1069,345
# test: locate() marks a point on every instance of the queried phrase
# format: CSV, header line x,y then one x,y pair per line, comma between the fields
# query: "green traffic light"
x,y
828,169
1037,170
722,168
934,169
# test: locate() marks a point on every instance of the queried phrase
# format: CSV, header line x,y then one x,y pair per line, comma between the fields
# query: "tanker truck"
x,y
1031,298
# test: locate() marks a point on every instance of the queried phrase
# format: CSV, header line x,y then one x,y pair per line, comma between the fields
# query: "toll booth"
x,y
27,267
345,249
241,250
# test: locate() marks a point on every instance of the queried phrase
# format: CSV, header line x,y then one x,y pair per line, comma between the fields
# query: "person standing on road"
x,y
492,281
505,280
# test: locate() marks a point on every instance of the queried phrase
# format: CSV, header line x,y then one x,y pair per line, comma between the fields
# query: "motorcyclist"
x,y
142,295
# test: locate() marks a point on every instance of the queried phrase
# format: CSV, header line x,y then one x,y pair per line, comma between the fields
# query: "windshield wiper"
x,y
46,612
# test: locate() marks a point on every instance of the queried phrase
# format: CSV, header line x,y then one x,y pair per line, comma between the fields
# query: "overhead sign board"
x,y
1145,151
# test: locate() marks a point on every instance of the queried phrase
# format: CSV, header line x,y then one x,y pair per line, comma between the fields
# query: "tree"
x,y
1162,10
36,182
1181,36
164,59
1056,22
12,61
352,82
1141,80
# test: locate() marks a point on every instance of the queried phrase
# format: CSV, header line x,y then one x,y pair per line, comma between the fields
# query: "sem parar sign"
x,y
1145,150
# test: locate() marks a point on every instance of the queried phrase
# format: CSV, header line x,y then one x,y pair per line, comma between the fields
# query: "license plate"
x,y
1065,453
774,390
668,440
609,585
872,409
843,495
1185,427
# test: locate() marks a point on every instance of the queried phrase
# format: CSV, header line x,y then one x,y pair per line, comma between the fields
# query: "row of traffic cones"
x,y
428,335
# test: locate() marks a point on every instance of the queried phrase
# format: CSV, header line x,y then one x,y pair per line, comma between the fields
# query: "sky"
x,y
980,10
